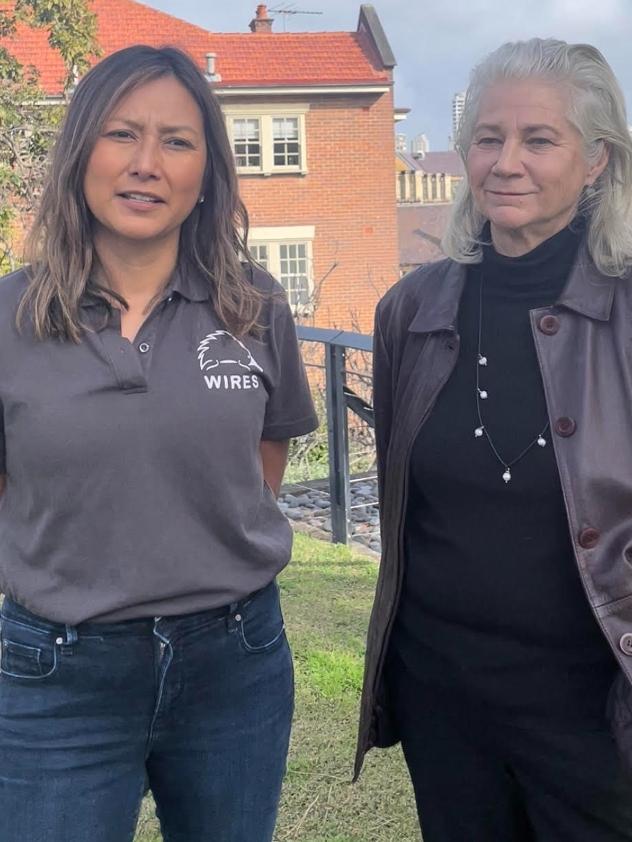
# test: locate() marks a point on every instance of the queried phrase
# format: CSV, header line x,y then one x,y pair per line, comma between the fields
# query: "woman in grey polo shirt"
x,y
149,385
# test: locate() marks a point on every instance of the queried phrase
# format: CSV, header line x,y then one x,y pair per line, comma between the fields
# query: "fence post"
x,y
338,435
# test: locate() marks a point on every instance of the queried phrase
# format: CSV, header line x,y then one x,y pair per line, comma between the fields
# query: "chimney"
x,y
211,73
261,22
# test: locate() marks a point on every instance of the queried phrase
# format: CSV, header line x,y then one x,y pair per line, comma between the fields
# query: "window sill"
x,y
270,173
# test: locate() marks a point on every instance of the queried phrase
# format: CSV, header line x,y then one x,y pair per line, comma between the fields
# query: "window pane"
x,y
294,274
260,254
285,128
246,142
286,145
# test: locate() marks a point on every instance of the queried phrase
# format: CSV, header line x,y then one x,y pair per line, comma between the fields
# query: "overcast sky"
x,y
436,42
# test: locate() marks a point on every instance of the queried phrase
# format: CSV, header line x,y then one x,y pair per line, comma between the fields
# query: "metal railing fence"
x,y
340,399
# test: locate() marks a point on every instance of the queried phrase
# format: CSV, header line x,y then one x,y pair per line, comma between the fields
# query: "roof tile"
x,y
243,59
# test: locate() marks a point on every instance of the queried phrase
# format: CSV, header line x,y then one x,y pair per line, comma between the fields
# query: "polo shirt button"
x,y
625,643
589,538
565,427
549,325
143,347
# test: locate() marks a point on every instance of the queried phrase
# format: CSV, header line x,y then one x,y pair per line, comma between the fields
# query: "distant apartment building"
x,y
310,120
419,145
458,103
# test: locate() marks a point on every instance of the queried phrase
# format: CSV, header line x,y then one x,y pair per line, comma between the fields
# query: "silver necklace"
x,y
482,394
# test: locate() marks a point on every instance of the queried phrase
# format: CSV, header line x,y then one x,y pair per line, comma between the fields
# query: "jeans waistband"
x,y
13,611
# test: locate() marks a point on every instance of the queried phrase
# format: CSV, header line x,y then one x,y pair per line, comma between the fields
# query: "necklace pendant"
x,y
482,393
507,476
478,432
482,360
541,441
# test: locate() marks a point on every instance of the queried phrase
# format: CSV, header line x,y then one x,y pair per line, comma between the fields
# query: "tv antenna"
x,y
288,9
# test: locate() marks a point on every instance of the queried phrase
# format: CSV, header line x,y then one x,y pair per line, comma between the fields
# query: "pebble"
x,y
313,508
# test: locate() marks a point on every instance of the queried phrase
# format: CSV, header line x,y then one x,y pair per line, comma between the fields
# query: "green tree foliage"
x,y
28,119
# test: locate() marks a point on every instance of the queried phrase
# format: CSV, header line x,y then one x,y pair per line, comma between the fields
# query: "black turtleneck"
x,y
493,605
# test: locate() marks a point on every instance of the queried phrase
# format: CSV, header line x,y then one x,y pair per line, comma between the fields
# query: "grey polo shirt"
x,y
134,479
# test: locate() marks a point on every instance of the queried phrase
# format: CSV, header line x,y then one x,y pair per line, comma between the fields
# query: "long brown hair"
x,y
213,239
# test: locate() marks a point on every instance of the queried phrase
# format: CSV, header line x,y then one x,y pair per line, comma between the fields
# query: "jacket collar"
x,y
438,311
587,292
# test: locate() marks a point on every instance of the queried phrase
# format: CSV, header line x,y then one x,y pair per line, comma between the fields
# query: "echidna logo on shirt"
x,y
219,349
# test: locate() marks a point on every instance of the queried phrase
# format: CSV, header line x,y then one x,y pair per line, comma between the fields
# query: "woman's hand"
x,y
274,459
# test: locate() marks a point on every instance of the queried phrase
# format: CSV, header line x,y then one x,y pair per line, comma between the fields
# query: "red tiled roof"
x,y
243,59
308,58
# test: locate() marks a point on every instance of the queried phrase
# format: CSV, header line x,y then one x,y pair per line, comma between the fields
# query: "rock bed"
x,y
311,507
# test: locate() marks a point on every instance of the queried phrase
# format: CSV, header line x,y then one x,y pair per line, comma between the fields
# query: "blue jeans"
x,y
196,708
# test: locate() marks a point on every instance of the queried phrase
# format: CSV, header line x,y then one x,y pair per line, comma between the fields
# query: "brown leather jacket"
x,y
584,349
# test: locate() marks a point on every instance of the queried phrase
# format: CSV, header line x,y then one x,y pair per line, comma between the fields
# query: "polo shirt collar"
x,y
189,284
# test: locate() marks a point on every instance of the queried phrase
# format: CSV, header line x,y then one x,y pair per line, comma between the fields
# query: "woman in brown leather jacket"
x,y
502,629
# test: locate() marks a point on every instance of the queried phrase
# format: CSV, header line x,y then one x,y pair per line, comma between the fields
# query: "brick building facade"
x,y
310,117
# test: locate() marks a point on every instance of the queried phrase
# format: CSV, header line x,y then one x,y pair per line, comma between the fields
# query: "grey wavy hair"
x,y
597,111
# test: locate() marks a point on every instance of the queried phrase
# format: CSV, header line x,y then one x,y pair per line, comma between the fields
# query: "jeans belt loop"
x,y
72,637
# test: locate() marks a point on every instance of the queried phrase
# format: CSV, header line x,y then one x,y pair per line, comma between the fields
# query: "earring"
x,y
201,200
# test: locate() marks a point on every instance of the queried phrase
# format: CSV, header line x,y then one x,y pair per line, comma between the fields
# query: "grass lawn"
x,y
327,593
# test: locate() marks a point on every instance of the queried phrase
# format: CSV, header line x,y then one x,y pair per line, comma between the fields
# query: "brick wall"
x,y
348,195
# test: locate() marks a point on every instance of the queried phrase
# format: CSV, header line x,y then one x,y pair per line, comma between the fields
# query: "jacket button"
x,y
549,325
589,538
625,644
565,427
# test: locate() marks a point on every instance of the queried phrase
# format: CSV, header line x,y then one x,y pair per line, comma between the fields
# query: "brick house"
x,y
420,229
310,117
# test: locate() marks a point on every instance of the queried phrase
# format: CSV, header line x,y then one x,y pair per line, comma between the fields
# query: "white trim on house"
x,y
265,234
265,114
282,90
274,239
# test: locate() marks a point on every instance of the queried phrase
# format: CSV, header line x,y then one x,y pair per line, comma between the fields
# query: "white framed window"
x,y
286,150
247,142
286,252
259,251
268,140
294,273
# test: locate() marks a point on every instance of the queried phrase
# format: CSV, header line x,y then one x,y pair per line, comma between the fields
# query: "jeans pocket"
x,y
26,653
260,623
